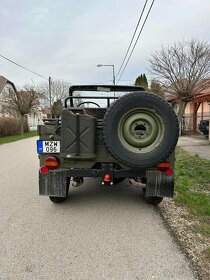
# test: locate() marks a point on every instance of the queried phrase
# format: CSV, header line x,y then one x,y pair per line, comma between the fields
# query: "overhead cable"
x,y
82,82
25,68
136,40
132,38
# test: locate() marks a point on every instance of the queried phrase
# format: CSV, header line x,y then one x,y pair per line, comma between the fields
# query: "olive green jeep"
x,y
130,136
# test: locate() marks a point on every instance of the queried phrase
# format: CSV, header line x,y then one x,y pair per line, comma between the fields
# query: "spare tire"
x,y
140,129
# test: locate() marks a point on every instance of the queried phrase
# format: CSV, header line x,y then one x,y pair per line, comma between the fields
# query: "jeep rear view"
x,y
132,135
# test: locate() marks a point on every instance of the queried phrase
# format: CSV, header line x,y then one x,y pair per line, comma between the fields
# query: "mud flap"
x,y
53,184
159,184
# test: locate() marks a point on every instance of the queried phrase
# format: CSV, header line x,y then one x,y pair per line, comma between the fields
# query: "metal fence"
x,y
187,122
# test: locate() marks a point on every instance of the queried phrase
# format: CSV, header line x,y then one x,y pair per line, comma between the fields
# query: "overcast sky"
x,y
66,39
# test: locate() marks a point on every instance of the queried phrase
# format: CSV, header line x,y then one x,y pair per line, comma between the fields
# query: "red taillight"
x,y
107,178
44,169
51,163
165,167
169,172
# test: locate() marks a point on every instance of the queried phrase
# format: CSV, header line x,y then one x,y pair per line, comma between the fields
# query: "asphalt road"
x,y
98,233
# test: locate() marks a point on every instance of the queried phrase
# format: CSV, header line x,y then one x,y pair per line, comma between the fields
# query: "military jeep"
x,y
132,135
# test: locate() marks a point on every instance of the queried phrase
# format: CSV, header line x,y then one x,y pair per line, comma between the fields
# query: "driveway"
x,y
196,144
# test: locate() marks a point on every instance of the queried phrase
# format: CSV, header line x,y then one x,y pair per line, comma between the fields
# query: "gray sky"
x,y
65,39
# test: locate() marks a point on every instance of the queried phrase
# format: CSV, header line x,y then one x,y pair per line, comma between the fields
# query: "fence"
x,y
187,122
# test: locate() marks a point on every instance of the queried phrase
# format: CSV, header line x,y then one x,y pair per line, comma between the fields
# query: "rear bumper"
x,y
55,182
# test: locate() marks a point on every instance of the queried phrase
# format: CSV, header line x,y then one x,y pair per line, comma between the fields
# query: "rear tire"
x,y
154,200
56,199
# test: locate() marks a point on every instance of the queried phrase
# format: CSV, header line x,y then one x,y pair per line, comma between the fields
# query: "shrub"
x,y
11,126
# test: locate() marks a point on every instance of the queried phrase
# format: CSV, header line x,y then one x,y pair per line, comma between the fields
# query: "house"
x,y
34,118
46,112
196,110
5,86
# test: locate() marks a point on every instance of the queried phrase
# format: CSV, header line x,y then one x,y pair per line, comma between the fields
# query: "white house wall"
x,y
5,89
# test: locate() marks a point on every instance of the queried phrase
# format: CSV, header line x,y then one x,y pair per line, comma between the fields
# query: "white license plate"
x,y
47,147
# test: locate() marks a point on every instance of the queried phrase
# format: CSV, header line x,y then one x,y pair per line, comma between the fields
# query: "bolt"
x,y
102,183
111,183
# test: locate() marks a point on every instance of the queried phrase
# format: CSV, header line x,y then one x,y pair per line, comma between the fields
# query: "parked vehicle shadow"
x,y
92,194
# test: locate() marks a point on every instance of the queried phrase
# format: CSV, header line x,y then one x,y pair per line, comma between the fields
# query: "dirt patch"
x,y
185,229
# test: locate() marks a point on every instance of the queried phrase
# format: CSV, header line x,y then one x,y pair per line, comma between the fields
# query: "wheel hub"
x,y
141,130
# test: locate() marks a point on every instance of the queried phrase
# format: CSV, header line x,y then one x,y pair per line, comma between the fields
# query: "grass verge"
x,y
8,139
192,186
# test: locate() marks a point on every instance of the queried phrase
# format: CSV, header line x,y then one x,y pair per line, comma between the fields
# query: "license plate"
x,y
47,147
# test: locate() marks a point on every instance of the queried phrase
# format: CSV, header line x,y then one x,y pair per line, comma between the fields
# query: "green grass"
x,y
192,186
205,229
8,139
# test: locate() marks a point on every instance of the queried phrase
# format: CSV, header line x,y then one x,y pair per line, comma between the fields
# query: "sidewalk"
x,y
195,144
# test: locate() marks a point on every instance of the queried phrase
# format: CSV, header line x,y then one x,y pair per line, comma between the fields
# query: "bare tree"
x,y
59,91
184,69
77,100
19,104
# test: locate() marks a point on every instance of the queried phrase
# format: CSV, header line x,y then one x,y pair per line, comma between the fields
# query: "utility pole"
x,y
50,96
113,72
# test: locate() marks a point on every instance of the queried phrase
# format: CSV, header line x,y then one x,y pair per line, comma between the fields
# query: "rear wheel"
x,y
154,200
56,199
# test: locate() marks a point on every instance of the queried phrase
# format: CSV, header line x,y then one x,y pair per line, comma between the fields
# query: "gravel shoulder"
x,y
182,223
183,227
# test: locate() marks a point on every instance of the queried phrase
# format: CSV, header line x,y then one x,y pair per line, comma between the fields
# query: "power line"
x,y
101,83
82,82
17,64
67,81
132,38
136,40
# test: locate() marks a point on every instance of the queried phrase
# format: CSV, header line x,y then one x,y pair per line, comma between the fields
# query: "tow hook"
x,y
77,181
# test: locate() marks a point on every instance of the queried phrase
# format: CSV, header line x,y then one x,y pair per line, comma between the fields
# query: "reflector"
x,y
44,170
169,172
107,178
